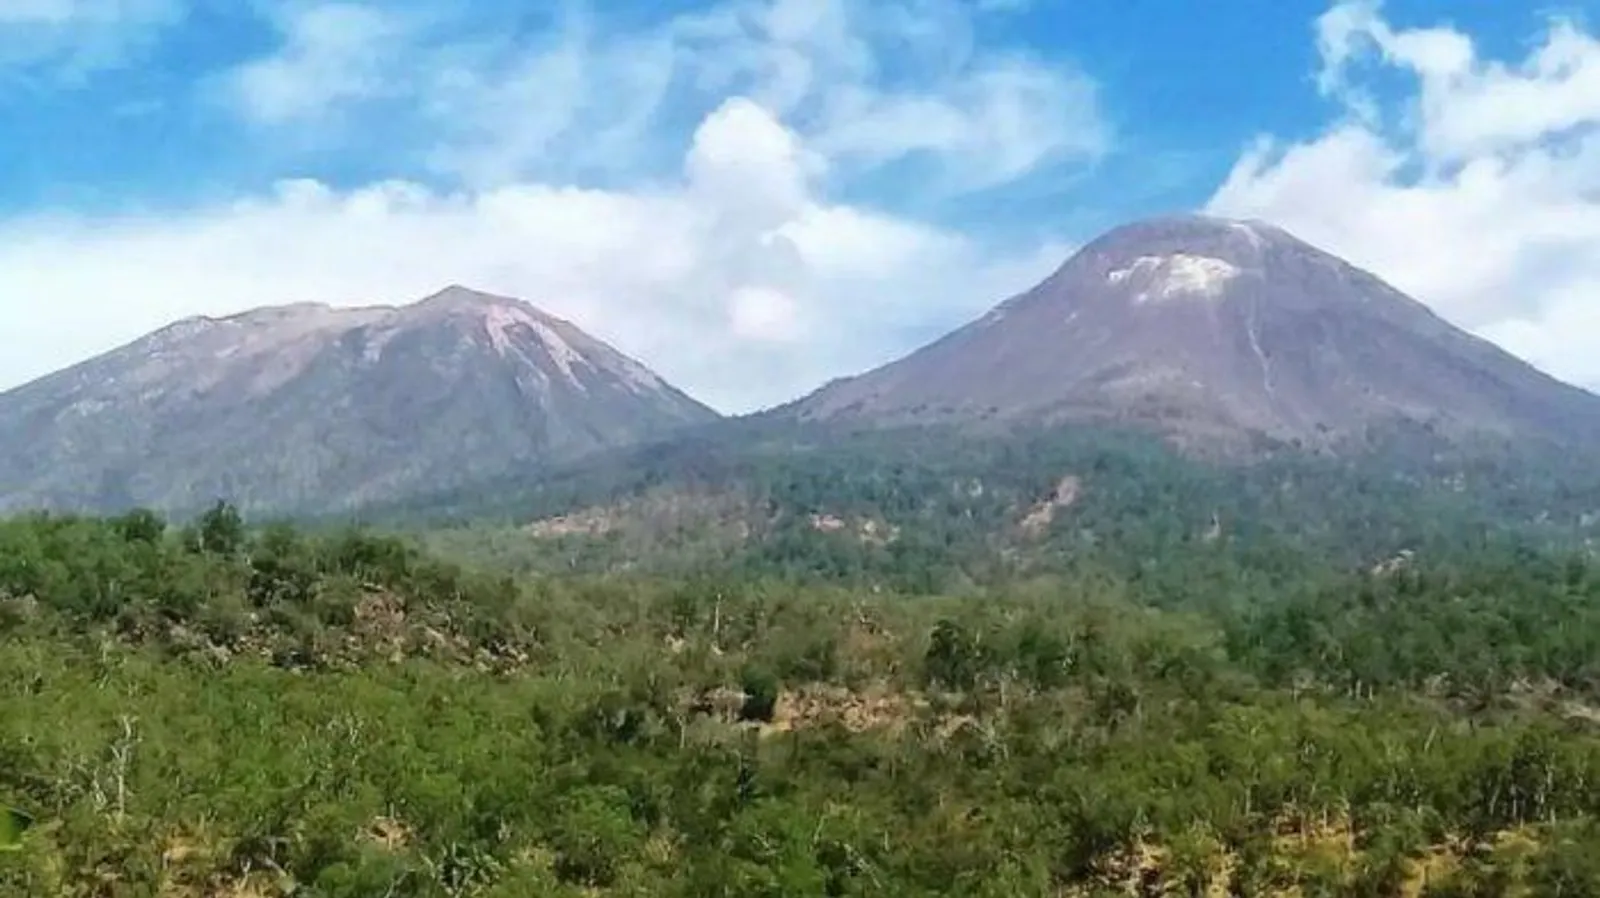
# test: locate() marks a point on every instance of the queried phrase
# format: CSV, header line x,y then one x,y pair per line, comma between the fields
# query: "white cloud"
x,y
1001,121
332,53
73,38
765,314
986,117
494,104
570,100
738,279
745,155
1477,192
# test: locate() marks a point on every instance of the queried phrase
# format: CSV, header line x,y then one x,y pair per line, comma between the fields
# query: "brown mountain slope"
x,y
1216,330
308,407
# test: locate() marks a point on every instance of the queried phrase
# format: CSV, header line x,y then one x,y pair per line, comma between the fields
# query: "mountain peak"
x,y
311,407
1191,225
1231,244
1211,328
456,298
458,294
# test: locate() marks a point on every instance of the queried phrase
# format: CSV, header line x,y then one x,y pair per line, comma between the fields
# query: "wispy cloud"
x,y
75,38
865,83
1478,190
993,125
332,54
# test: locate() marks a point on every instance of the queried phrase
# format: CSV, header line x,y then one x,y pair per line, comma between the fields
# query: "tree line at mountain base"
x,y
223,710
938,510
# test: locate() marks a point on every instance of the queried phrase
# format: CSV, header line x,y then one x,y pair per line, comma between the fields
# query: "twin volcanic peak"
x,y
1207,330
309,407
1216,330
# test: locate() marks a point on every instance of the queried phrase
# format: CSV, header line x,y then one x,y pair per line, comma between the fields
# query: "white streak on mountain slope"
x,y
1180,274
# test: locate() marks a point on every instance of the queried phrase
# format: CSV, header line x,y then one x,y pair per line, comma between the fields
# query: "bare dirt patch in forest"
x,y
1039,518
875,708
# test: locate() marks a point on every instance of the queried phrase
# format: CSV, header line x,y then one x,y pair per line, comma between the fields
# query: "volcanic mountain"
x,y
313,408
1213,330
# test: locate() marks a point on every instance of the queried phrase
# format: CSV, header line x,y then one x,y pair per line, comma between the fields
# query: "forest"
x,y
929,510
222,707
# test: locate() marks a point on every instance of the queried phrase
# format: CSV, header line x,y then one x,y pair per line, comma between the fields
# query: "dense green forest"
x,y
929,510
215,709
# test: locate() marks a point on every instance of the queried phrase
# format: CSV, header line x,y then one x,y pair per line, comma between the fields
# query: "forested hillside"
x,y
218,710
934,509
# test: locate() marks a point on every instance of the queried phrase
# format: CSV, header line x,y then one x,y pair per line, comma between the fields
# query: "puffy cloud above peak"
x,y
1477,190
749,161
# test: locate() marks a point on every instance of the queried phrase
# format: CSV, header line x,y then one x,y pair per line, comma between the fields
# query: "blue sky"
x,y
756,195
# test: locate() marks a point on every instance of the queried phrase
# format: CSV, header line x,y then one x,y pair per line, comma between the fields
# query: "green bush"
x,y
761,688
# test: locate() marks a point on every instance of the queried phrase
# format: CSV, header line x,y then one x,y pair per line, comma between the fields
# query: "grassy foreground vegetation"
x,y
215,710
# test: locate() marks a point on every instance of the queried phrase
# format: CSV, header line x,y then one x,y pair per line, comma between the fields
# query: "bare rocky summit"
x,y
313,408
1216,331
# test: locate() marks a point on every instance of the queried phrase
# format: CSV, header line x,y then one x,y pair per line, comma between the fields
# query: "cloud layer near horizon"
x,y
737,282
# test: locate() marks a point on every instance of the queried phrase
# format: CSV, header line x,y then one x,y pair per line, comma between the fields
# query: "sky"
x,y
755,196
